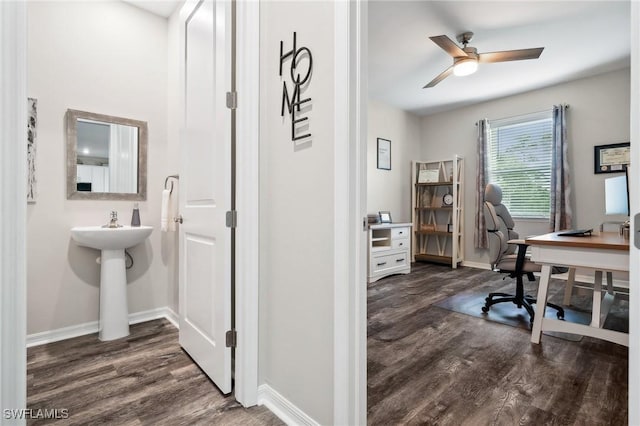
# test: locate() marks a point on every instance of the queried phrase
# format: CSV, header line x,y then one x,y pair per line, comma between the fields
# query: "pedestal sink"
x,y
114,315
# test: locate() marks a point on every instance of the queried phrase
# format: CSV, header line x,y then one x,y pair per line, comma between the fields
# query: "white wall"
x,y
296,215
108,58
598,114
391,189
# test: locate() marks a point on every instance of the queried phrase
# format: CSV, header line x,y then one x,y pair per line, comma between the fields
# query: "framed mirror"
x,y
106,157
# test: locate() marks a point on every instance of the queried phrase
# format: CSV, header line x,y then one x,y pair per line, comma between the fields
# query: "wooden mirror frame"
x,y
71,118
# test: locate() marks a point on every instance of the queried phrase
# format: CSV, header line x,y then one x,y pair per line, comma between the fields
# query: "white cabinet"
x,y
438,212
389,250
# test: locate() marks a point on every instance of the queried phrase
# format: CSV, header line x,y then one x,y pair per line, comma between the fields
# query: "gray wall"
x,y
598,114
391,189
297,215
109,58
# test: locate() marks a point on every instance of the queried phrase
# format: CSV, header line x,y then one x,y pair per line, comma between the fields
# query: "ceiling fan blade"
x,y
448,46
446,73
511,55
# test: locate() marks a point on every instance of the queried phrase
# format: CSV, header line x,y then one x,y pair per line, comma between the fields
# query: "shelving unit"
x,y
437,227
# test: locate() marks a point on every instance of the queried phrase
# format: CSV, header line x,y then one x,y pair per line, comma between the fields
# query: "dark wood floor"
x,y
428,365
145,379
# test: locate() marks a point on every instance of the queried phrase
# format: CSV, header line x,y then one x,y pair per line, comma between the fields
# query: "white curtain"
x,y
123,159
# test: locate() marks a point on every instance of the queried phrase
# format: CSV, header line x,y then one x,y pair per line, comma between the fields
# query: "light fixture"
x,y
464,66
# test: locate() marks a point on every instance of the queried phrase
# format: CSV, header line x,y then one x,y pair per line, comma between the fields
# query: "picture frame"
x,y
611,158
385,217
428,176
384,154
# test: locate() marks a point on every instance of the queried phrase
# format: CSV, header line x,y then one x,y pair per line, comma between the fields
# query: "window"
x,y
519,161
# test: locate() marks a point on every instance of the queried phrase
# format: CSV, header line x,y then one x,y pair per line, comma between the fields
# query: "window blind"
x,y
519,161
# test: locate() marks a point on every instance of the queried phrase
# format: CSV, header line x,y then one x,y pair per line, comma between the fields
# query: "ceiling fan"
x,y
466,59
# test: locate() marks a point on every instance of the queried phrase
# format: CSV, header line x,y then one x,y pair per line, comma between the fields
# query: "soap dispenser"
x,y
135,217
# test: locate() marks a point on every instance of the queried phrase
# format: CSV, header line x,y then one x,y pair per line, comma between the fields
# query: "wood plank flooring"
x,y
426,365
144,379
431,366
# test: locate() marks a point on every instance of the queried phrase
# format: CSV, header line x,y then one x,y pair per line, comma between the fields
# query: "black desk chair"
x,y
508,254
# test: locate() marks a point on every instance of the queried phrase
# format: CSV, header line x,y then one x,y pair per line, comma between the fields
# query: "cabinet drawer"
x,y
382,263
400,243
399,233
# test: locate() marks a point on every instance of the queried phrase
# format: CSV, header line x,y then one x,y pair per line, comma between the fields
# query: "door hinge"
x,y
232,219
232,100
232,338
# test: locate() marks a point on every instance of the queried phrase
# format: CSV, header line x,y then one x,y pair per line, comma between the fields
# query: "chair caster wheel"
x,y
485,309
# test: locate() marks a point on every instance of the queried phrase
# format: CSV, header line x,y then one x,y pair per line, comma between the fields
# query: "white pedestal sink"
x,y
114,315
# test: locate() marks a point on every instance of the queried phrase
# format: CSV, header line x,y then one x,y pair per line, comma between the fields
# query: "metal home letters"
x,y
300,75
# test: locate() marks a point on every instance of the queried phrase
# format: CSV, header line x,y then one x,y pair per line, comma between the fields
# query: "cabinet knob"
x,y
400,260
383,263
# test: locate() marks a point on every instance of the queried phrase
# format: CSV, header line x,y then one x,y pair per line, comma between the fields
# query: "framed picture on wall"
x,y
612,158
384,154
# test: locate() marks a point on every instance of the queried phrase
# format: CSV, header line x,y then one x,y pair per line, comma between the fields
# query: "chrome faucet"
x,y
113,222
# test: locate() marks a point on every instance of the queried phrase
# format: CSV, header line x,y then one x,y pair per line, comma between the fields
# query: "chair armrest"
x,y
522,251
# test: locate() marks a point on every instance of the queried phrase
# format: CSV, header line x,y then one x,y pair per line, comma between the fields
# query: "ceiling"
x,y
581,39
159,7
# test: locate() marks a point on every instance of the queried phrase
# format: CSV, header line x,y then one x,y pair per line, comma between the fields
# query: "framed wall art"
x,y
32,132
612,158
384,154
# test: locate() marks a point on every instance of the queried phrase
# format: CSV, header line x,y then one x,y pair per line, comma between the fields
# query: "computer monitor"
x,y
616,192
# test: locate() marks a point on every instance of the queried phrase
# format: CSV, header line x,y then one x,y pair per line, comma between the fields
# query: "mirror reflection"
x,y
106,157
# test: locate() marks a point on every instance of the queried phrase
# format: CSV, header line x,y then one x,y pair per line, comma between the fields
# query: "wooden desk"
x,y
607,251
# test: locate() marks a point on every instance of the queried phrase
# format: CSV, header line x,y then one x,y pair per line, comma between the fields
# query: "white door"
x,y
205,189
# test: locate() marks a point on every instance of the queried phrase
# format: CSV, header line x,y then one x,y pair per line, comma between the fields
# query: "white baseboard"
x,y
477,265
282,407
64,333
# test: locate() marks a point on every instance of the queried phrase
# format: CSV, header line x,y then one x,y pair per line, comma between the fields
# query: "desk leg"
x,y
568,287
541,303
597,298
610,282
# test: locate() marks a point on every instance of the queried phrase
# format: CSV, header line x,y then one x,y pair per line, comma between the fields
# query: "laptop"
x,y
576,233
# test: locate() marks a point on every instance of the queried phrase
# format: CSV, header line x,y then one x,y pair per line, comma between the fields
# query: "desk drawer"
x,y
383,263
400,243
400,233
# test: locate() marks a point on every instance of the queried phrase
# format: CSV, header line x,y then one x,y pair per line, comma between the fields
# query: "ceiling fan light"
x,y
465,66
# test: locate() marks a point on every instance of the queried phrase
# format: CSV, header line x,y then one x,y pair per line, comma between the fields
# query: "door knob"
x,y
178,219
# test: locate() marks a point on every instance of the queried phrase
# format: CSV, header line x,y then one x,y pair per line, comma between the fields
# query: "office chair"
x,y
503,242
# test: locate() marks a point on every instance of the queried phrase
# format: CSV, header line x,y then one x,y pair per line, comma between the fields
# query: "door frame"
x,y
350,232
13,208
634,189
247,55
